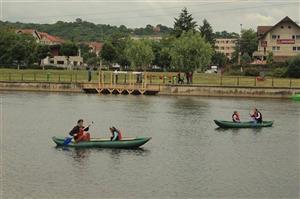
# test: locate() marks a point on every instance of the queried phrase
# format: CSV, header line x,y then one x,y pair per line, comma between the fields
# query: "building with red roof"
x,y
282,39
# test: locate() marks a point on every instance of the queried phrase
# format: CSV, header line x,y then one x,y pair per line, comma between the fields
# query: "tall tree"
x,y
207,32
69,49
184,23
140,54
191,52
41,52
219,59
248,42
108,52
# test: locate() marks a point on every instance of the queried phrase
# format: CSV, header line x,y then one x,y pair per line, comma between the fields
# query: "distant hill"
x,y
80,30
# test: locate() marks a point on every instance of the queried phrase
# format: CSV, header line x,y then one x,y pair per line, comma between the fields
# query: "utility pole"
x,y
240,40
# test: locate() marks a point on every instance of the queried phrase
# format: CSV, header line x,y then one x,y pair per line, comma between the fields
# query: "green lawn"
x,y
153,77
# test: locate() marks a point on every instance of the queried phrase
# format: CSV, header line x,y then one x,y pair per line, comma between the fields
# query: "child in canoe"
x,y
236,117
116,134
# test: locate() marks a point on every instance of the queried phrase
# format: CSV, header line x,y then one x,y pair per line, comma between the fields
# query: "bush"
x,y
251,72
279,72
294,67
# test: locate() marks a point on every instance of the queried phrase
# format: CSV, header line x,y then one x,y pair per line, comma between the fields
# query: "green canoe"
x,y
230,124
296,97
125,143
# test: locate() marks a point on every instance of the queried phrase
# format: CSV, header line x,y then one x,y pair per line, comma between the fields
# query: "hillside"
x,y
86,31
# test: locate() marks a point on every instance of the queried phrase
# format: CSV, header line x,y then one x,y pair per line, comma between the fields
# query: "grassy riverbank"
x,y
153,77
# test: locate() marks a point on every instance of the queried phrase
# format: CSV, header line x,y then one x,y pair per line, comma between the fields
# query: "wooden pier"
x,y
134,83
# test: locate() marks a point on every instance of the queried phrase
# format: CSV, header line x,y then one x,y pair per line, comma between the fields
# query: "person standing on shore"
x,y
90,74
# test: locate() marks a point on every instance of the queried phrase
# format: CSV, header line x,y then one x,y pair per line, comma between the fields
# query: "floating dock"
x,y
135,83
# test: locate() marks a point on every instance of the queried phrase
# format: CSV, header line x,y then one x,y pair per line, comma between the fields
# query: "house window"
x,y
293,36
275,48
289,27
281,27
297,36
294,48
274,36
278,36
298,48
278,48
60,62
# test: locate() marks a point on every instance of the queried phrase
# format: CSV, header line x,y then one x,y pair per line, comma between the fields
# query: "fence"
x,y
151,78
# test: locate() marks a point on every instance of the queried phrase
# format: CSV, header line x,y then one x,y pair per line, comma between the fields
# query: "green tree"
x,y
109,53
219,59
140,54
248,42
93,61
190,52
41,52
225,34
184,23
270,58
207,32
245,59
69,49
294,67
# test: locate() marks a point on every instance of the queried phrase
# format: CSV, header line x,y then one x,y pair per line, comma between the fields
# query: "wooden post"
x,y
103,78
125,78
111,79
145,83
221,80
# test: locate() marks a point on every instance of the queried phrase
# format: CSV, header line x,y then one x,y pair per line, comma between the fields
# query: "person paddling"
x,y
116,134
257,116
79,132
236,117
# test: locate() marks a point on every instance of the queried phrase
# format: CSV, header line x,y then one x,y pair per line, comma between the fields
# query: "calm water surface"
x,y
187,157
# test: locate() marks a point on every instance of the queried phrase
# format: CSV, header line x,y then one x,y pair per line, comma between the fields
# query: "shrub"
x,y
294,67
279,72
251,72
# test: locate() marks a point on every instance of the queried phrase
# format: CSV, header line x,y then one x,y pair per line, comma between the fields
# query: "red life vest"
x,y
236,118
120,135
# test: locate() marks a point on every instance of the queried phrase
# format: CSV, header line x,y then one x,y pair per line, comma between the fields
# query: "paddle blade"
x,y
67,141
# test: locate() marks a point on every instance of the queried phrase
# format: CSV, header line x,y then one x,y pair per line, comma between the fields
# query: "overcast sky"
x,y
223,15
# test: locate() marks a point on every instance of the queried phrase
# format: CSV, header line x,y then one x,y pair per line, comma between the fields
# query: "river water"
x,y
188,157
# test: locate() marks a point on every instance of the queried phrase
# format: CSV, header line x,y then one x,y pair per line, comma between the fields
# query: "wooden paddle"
x,y
69,138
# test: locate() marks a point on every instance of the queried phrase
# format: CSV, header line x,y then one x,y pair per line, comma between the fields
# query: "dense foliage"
x,y
294,67
80,30
190,52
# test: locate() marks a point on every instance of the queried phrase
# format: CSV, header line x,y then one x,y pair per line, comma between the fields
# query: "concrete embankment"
x,y
41,86
176,90
228,91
